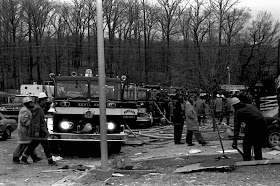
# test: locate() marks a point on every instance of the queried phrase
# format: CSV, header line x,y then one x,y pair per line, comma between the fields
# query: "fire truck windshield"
x,y
72,89
113,90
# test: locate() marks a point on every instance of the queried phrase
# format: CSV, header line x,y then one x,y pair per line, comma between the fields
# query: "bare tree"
x,y
168,18
113,10
261,37
11,17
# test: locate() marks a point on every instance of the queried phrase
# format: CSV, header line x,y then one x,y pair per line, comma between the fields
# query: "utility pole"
x,y
228,75
101,81
278,59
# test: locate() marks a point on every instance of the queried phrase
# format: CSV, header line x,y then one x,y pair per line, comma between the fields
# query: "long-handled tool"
x,y
242,154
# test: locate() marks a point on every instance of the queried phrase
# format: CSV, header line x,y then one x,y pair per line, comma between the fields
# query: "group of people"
x,y
182,110
185,110
222,108
32,131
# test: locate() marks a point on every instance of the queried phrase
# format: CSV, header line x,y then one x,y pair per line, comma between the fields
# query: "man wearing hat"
x,y
255,123
38,131
24,122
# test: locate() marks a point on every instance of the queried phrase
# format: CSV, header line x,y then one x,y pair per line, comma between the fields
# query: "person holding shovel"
x,y
254,128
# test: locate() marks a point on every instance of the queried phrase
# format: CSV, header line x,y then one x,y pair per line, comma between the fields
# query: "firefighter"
x,y
254,128
38,130
177,117
24,121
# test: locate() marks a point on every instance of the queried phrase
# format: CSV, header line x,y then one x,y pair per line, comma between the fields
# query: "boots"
x,y
51,162
24,160
36,159
16,160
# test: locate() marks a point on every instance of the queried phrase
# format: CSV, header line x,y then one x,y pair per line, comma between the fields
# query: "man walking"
x,y
38,131
192,123
254,128
24,121
177,117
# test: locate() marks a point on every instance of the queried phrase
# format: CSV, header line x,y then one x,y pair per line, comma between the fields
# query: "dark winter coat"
x,y
199,107
38,130
177,112
252,117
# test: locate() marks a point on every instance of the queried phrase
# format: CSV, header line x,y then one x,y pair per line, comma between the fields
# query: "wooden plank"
x,y
133,171
257,162
197,166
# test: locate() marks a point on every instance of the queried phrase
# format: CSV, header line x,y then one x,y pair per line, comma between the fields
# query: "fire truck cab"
x,y
76,111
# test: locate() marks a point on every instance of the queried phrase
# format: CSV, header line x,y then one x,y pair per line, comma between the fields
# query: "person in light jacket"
x,y
38,131
192,123
24,122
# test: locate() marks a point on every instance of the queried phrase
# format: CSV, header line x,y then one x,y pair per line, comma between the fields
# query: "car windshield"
x,y
72,89
113,90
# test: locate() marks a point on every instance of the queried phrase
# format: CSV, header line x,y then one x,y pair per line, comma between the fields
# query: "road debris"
x,y
194,151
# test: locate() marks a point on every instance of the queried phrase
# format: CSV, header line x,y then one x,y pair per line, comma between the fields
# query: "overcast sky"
x,y
272,6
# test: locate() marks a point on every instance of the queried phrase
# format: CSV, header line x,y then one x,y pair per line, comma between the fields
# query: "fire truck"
x,y
11,109
75,118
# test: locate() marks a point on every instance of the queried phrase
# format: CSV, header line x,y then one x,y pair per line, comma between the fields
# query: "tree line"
x,y
190,43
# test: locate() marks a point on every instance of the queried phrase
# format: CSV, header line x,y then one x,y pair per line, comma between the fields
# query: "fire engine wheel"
x,y
273,137
114,147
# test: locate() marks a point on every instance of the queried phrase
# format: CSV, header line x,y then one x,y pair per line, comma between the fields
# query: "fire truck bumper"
x,y
121,137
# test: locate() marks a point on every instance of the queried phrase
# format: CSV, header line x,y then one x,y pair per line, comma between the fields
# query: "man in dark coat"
x,y
177,117
255,123
38,131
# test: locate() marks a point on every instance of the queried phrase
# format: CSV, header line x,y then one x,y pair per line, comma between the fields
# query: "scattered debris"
x,y
276,148
133,171
117,175
228,151
274,152
122,163
194,151
56,158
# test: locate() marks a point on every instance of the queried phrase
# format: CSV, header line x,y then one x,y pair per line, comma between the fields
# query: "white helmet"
x,y
42,95
234,101
27,99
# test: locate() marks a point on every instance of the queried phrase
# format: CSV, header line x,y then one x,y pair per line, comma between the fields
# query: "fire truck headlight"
x,y
111,125
66,125
50,124
2,108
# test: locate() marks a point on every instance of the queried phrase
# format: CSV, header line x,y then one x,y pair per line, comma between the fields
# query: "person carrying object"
x,y
24,121
253,131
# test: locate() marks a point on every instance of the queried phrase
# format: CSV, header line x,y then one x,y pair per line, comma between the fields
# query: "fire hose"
x,y
170,139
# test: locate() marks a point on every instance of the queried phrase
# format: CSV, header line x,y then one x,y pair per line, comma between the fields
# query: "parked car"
x,y
272,132
7,126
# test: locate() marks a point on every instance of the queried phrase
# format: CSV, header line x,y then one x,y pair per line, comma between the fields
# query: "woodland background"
x,y
190,43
